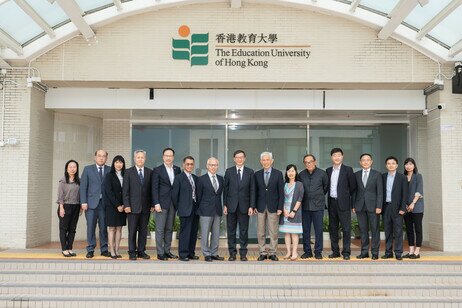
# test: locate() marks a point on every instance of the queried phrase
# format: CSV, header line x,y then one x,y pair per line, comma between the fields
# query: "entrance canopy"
x,y
30,28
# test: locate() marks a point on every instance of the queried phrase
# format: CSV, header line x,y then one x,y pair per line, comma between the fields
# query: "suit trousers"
x,y
210,225
369,221
188,235
414,228
164,230
267,221
393,225
315,218
232,220
96,216
337,216
137,225
67,225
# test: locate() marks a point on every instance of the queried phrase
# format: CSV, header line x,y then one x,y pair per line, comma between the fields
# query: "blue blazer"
x,y
91,185
269,197
182,195
161,186
208,201
346,186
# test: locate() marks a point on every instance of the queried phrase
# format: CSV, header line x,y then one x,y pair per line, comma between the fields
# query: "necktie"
x,y
365,178
266,177
214,183
100,173
141,177
193,187
239,175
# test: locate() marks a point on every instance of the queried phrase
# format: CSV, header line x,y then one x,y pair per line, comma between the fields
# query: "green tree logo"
x,y
195,50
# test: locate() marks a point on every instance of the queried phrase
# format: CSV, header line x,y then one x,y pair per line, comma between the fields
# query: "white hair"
x,y
266,154
139,151
212,158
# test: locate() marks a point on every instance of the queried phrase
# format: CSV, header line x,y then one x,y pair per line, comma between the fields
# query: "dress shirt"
x,y
170,172
216,179
368,174
390,180
242,170
334,181
120,177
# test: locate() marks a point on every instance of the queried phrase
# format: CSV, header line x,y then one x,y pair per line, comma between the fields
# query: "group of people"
x,y
289,202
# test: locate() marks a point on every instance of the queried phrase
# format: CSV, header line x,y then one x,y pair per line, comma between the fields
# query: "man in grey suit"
x,y
91,185
367,204
164,211
210,209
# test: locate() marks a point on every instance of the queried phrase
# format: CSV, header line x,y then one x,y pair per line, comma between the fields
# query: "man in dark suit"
x,y
394,207
164,211
239,202
269,191
91,194
342,184
184,201
137,187
210,210
315,185
367,204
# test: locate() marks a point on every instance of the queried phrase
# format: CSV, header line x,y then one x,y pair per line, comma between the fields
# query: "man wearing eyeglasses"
x,y
315,183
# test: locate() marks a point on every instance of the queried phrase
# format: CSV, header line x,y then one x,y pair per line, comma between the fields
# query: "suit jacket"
x,y
416,186
161,186
182,195
398,192
112,193
346,186
137,196
239,193
209,201
271,196
368,198
91,185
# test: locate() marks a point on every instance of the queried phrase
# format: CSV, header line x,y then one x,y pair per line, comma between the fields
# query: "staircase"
x,y
120,283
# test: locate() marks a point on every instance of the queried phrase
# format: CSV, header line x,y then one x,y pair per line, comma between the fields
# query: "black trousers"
x,y
68,224
369,221
337,216
232,220
393,225
414,227
137,225
188,235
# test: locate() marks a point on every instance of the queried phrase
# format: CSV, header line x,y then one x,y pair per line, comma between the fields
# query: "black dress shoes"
x,y
363,256
406,256
318,256
208,259
113,256
399,257
132,256
307,255
232,258
375,257
334,255
67,255
162,257
244,258
193,258
346,257
273,258
413,256
218,258
90,254
387,256
184,259
262,257
170,255
144,255
106,254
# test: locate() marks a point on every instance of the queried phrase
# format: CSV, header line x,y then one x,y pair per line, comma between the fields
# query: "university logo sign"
x,y
194,48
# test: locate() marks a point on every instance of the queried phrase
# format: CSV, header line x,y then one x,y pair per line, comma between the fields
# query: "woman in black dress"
x,y
113,202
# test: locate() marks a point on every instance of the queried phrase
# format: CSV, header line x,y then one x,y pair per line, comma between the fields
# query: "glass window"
x,y
16,23
381,6
380,141
88,5
50,12
421,15
448,31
